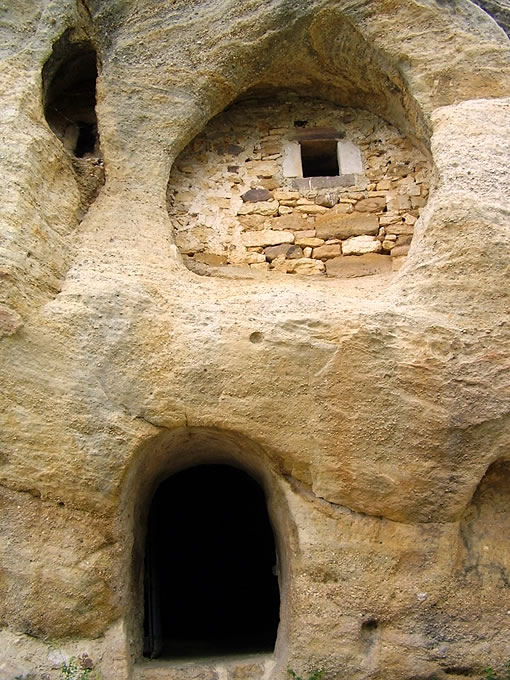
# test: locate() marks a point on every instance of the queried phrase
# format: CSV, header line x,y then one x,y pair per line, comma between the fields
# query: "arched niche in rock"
x,y
297,185
69,99
159,498
485,558
69,91
354,55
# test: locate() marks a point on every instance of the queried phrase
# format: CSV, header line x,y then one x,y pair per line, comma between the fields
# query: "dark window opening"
x,y
319,158
210,567
69,85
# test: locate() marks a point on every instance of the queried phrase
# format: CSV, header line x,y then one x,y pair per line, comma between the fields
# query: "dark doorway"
x,y
210,566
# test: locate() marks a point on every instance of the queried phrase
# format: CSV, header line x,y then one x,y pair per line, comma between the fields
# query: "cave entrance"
x,y
69,86
211,585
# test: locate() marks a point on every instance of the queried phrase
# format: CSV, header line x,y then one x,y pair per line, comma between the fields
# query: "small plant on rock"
x,y
490,673
317,674
78,668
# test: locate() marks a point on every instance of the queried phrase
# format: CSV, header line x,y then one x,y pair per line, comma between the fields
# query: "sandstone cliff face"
x,y
373,412
499,10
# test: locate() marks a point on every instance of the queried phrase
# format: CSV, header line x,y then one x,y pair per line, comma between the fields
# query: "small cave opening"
x,y
369,625
211,577
87,139
319,158
69,86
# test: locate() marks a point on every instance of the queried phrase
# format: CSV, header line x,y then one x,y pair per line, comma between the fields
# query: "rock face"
x,y
499,10
367,393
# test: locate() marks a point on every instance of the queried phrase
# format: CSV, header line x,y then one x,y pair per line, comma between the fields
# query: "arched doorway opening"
x,y
211,584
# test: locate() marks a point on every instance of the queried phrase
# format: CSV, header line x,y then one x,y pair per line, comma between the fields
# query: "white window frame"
x,y
348,155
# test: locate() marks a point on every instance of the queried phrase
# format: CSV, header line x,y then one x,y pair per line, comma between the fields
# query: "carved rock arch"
x,y
183,449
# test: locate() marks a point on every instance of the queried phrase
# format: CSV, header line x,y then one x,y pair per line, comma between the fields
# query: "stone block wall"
x,y
230,202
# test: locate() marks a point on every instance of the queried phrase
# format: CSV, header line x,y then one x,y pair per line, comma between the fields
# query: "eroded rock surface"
x,y
499,10
372,409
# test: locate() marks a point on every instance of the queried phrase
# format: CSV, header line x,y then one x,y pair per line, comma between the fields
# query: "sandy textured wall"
x,y
374,413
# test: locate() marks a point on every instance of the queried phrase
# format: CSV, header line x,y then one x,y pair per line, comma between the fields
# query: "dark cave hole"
x,y
87,139
210,566
69,86
459,670
369,625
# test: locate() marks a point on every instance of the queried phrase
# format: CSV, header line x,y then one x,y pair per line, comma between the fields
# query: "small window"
x,y
323,154
319,158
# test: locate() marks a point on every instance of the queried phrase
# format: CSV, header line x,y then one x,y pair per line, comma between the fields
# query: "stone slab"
x,y
352,266
266,237
311,183
327,252
349,158
344,226
291,164
360,245
267,208
256,195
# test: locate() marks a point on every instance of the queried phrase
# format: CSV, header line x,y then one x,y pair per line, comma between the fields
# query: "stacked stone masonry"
x,y
230,202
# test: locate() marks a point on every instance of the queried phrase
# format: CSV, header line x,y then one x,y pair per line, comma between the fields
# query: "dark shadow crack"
x,y
86,8
149,422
